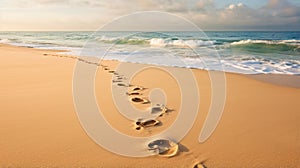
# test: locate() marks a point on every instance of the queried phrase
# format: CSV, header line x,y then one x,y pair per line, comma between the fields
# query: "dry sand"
x,y
260,126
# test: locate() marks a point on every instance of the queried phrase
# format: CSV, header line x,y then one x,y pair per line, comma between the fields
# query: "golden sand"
x,y
260,126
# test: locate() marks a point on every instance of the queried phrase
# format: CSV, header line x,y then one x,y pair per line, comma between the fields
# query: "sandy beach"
x,y
39,127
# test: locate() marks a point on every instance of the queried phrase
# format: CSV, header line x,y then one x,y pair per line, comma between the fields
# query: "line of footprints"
x,y
162,147
134,93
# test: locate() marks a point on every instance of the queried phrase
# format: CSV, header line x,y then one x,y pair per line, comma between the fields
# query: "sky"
x,y
89,15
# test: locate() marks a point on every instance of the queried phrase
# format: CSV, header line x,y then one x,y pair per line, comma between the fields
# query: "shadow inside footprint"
x,y
138,88
148,123
164,147
139,100
121,84
133,93
199,165
160,109
155,110
182,148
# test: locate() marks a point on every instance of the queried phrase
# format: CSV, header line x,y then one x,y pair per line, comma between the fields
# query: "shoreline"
x,y
40,128
287,80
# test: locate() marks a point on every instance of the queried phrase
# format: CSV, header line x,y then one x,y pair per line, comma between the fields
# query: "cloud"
x,y
275,14
282,8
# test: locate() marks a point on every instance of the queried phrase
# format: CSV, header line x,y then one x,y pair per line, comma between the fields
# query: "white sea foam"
x,y
158,42
5,41
265,56
180,43
249,41
105,38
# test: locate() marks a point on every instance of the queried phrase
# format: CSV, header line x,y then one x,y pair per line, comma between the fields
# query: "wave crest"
x,y
158,42
180,43
267,46
4,41
270,42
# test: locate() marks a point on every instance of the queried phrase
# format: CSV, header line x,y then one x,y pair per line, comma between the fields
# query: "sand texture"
x,y
260,126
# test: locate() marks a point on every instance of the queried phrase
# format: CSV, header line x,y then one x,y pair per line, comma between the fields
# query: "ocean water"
x,y
238,52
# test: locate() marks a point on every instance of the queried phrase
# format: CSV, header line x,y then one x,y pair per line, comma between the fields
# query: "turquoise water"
x,y
239,52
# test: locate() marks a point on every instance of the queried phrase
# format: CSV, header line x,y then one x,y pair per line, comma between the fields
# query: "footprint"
x,y
199,165
137,100
147,123
132,93
137,88
164,147
115,81
140,100
122,84
159,109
